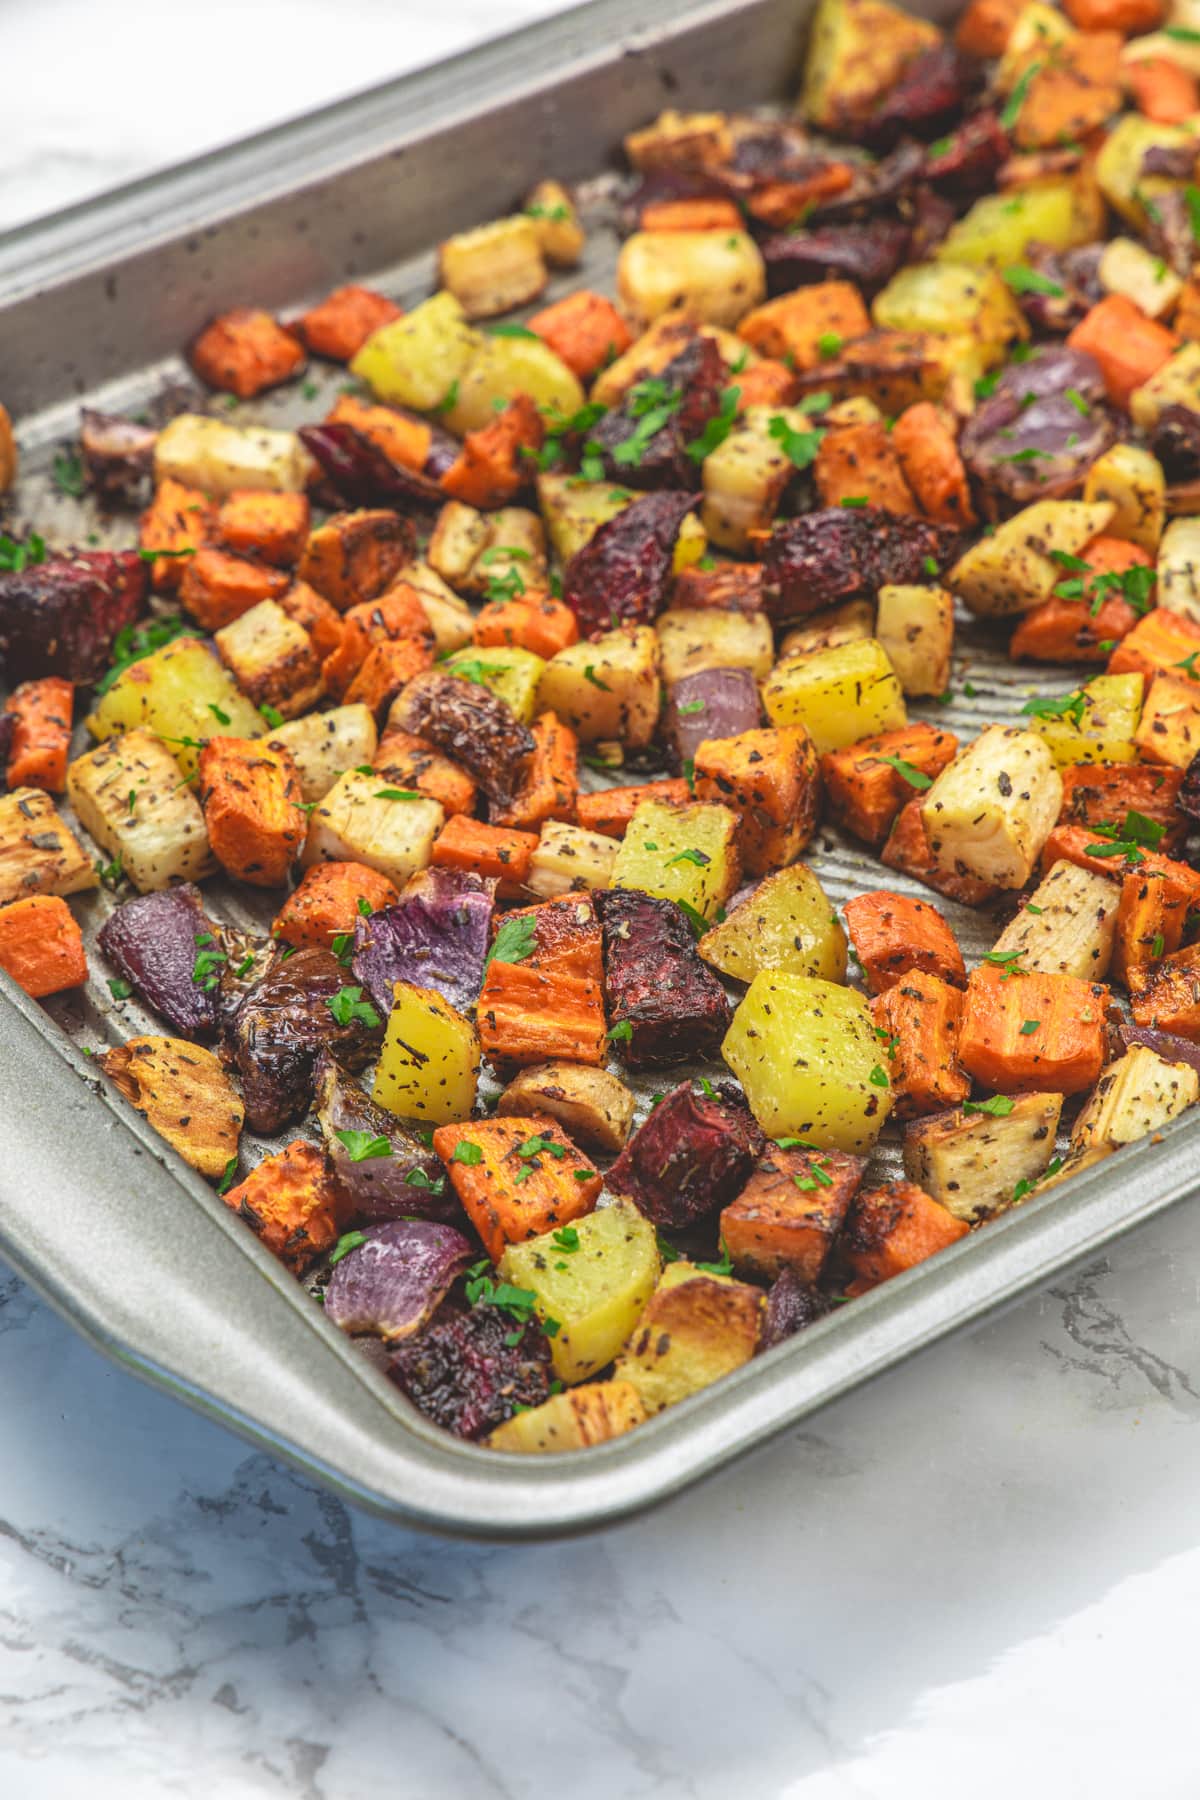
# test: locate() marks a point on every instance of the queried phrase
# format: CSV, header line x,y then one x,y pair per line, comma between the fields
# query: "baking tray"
x,y
130,1246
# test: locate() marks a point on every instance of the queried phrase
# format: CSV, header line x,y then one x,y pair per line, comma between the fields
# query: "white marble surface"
x,y
981,1574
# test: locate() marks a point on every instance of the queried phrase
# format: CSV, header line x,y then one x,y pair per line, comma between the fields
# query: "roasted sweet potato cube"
x,y
1166,994
406,440
37,717
218,588
326,904
245,351
517,1178
892,935
322,622
493,464
272,659
549,1002
860,459
356,556
549,789
771,780
584,329
291,1201
790,1211
1092,850
1162,641
919,1021
1103,793
893,1228
397,614
1028,1033
907,850
387,671
273,527
611,809
405,761
340,325
692,1155
664,1004
868,783
532,621
1150,920
250,792
41,946
1169,728
809,326
176,523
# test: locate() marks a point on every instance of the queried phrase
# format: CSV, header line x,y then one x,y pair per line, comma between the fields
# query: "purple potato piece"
x,y
867,255
462,1371
1164,1043
435,936
60,617
686,395
715,703
655,982
393,1283
622,576
928,96
693,1155
153,941
1043,427
840,553
965,163
285,1021
471,725
1176,443
791,1305
1176,161
1075,273
118,455
409,1182
361,474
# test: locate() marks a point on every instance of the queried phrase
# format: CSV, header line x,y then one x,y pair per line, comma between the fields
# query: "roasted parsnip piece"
x,y
1066,927
1135,1096
973,1162
182,1090
128,795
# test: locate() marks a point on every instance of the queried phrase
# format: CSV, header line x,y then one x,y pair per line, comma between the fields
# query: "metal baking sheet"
x,y
113,1229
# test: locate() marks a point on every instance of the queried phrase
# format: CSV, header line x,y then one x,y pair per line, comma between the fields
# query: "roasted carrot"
x,y
218,588
1186,322
178,520
41,946
550,786
356,556
1114,857
388,668
517,1178
1072,91
585,329
1069,631
340,326
611,810
808,326
918,1022
690,215
1103,793
730,587
892,935
322,622
790,1211
395,616
405,440
291,1201
245,351
405,761
765,383
494,464
329,902
1129,346
273,527
867,783
1150,921
1162,91
531,621
893,1228
926,444
501,855
907,849
549,1003
1165,993
1130,17
41,737
785,202
1029,1033
771,779
983,29
859,462
1160,642
251,795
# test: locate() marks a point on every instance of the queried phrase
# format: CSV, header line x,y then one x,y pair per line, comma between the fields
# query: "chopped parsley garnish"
x,y
512,331
687,707
348,1008
218,713
68,473
272,715
363,1146
206,970
718,427
589,674
119,988
1029,1026
916,778
566,1239
1159,944
14,556
1016,100
349,1240
1024,280
228,1176
879,1077
998,1107
621,1032
698,857
515,940
1061,706
133,642
828,345
398,794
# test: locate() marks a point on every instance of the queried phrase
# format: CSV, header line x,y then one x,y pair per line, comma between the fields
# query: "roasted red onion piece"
x,y
360,473
118,455
468,1371
300,1007
1074,274
791,1305
436,936
964,164
1163,1043
60,617
655,982
623,574
1176,443
836,554
884,187
693,1154
868,255
928,96
715,703
395,1281
684,398
469,724
409,1181
153,941
1043,427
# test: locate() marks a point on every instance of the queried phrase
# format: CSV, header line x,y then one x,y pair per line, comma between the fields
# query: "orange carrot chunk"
x,y
406,761
765,383
271,526
1102,793
41,946
340,326
517,1178
868,782
245,351
892,934
493,464
499,853
251,795
407,441
177,521
549,1003
1160,642
550,786
41,739
218,588
313,614
610,810
907,849
530,621
1165,994
1129,346
1025,1033
691,215
329,902
893,1228
1150,921
290,1200
919,1021
790,1211
388,668
585,329
928,451
396,615
1091,850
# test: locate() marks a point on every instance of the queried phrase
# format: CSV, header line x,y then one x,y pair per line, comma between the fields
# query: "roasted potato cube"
x,y
693,1331
790,1211
1131,481
429,1063
949,299
683,853
354,823
510,673
219,458
832,626
681,140
128,796
1105,730
559,233
459,535
589,1415
494,267
972,1163
1014,569
591,1104
325,745
505,367
999,228
787,923
568,858
690,640
1134,1096
1068,927
1128,268
182,1091
856,51
915,628
1176,383
39,854
594,1277
839,695
272,659
990,812
180,694
716,275
419,359
745,476
606,689
1119,170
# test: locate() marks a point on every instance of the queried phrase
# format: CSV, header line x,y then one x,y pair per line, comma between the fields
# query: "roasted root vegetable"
x,y
494,267
915,629
893,1228
569,860
62,616
790,1211
471,725
154,942
324,744
300,1006
990,811
694,1330
691,1156
289,1201
663,1004
41,946
770,779
839,695
892,935
272,658
1134,1096
976,1163
590,1104
250,796
429,1063
687,854
182,1090
339,325
434,934
128,796
391,1282
362,820
41,734
326,904
219,458
1025,1032
542,993
607,688
381,1169
244,352
1066,927
355,556
787,923
717,275
571,1421
517,1178
868,782
180,695
918,1023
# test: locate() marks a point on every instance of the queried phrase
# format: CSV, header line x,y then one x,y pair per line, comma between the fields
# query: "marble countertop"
x,y
979,1574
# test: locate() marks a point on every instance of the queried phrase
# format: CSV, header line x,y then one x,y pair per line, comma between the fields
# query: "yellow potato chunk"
x,y
429,1063
1102,730
589,1415
682,853
694,1330
178,693
510,673
839,695
787,923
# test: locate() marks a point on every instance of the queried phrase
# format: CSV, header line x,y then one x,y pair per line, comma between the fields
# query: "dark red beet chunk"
x,y
153,940
285,1021
928,96
840,553
463,1373
409,1182
965,163
360,473
791,1305
623,575
60,617
471,725
693,1155
684,397
868,255
8,724
656,983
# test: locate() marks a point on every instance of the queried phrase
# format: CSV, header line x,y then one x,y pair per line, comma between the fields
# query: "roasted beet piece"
x,y
1075,276
410,1181
61,616
1033,439
435,936
118,455
655,983
932,217
840,553
694,1154
643,441
883,189
469,724
359,472
791,1305
867,255
965,163
622,575
463,1372
8,725
153,941
1176,443
714,703
394,1282
301,1006
928,96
